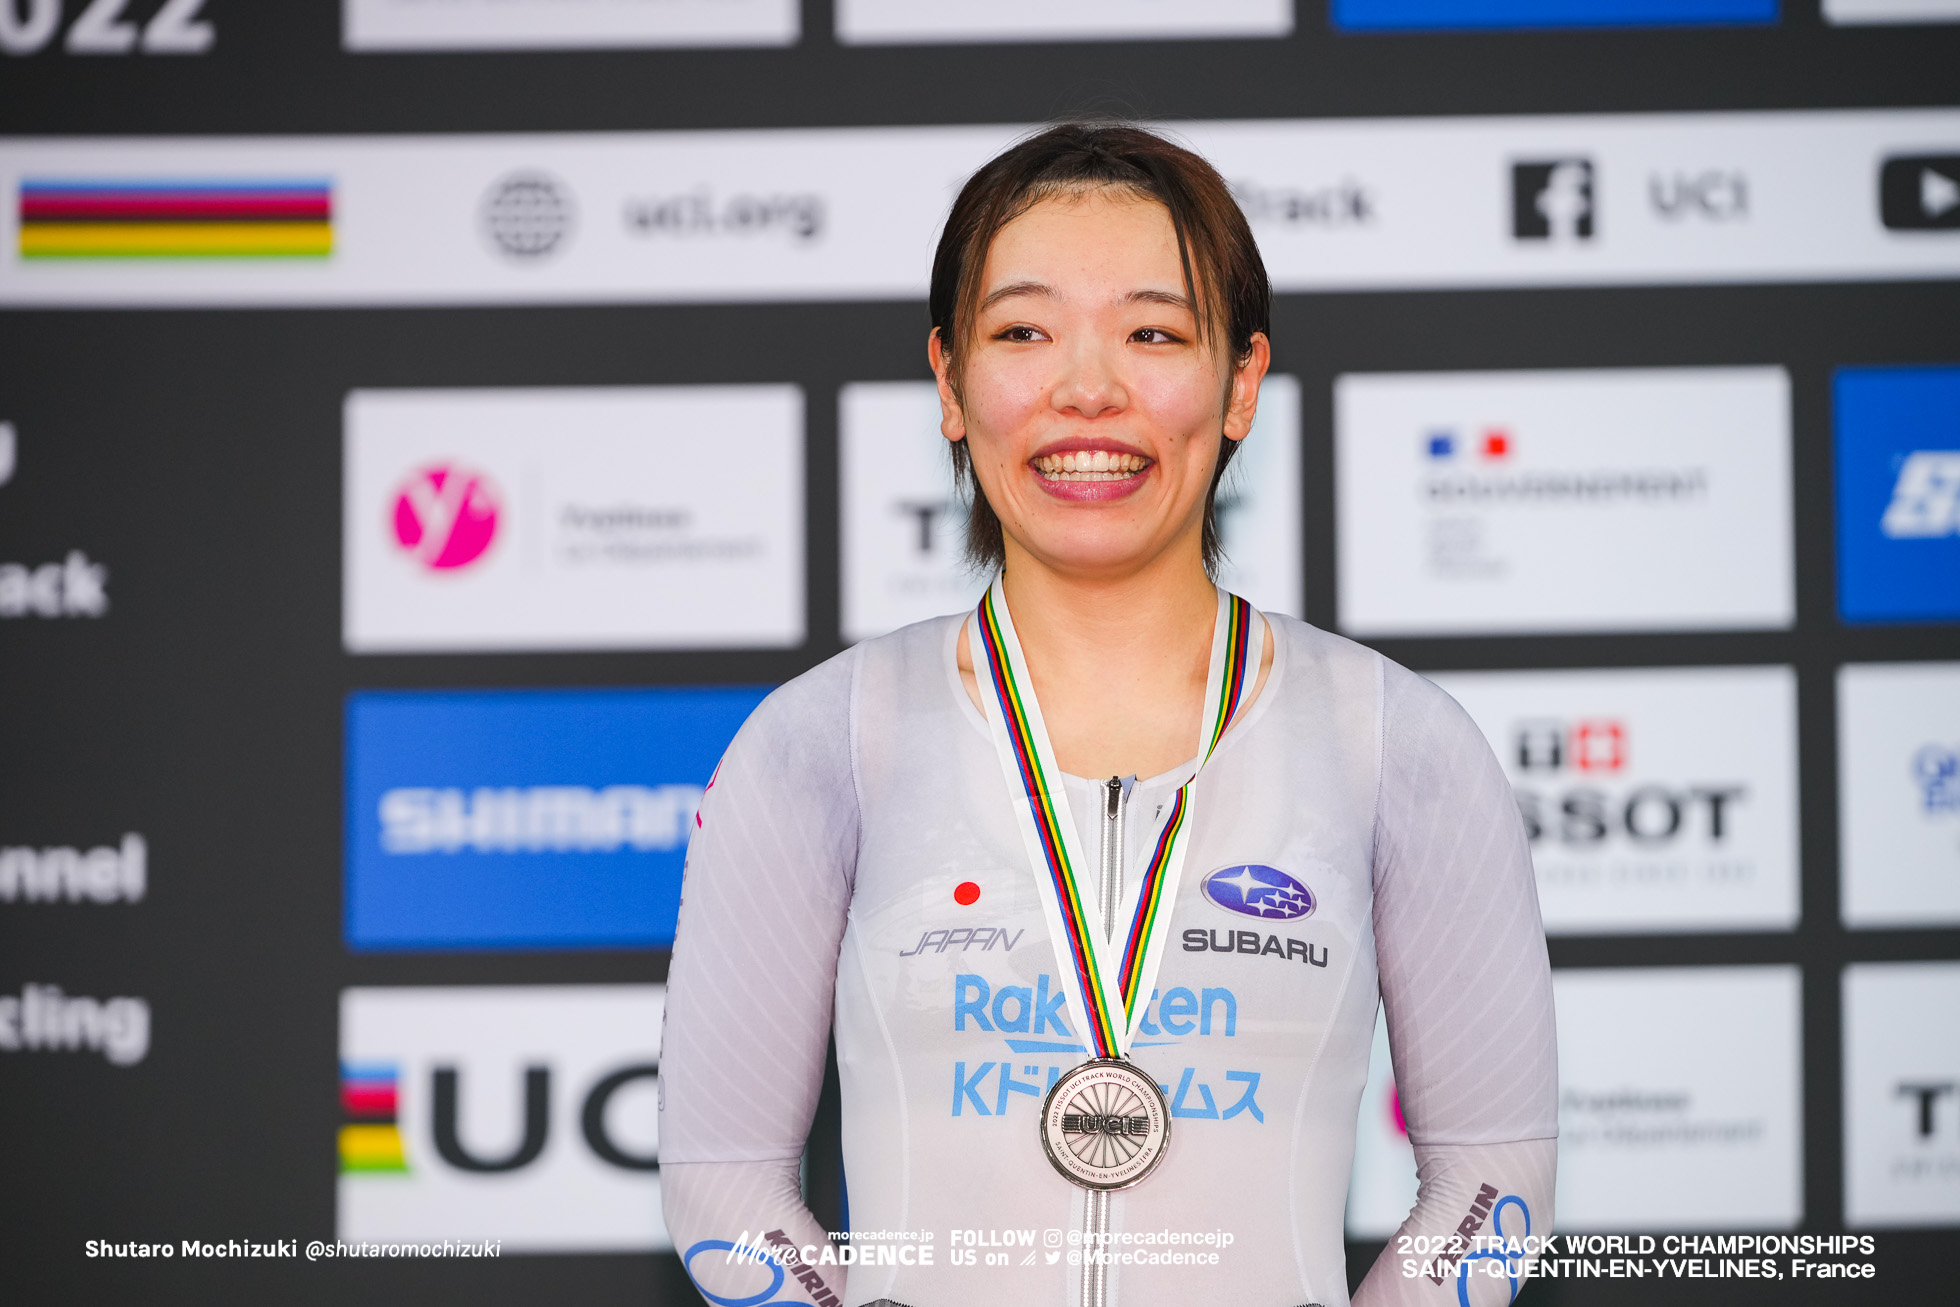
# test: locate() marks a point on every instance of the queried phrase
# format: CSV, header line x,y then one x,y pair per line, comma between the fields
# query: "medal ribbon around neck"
x,y
1104,976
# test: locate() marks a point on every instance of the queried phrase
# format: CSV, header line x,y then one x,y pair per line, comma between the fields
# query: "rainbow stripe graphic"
x,y
1047,824
176,219
1077,928
370,1138
1238,627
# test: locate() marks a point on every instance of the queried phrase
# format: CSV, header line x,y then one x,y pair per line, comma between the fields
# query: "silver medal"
x,y
1105,1124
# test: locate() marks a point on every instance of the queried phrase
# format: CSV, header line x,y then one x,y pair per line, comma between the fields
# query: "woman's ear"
x,y
1243,403
952,419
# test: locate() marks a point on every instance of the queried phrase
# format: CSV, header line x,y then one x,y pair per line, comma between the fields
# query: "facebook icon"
x,y
1552,200
1898,493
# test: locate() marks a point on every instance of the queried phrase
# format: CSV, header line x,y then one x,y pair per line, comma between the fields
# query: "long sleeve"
x,y
1466,988
749,993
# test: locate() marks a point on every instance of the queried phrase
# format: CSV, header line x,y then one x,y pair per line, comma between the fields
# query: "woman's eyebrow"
x,y
1013,289
1171,298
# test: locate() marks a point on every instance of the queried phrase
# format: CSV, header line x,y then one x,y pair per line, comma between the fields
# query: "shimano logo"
x,y
540,819
1925,498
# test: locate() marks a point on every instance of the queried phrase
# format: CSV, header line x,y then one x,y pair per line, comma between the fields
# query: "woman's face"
x,y
1090,405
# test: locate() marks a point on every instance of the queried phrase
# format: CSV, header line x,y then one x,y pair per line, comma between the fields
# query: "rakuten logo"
x,y
1925,498
446,516
43,1019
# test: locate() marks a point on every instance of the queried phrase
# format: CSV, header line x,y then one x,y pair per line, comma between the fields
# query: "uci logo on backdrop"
x,y
525,1114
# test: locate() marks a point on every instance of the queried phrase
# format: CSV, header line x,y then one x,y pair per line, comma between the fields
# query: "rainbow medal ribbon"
x,y
1105,1123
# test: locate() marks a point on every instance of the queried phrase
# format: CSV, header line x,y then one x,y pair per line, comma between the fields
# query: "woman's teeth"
x,y
1090,465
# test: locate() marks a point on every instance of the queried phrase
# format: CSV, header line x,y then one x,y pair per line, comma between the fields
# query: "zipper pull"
x,y
1113,788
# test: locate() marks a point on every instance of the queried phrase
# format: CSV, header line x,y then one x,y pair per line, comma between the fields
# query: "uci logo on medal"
x,y
1259,891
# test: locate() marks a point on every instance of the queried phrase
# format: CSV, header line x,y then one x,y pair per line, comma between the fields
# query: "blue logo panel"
x,y
1898,494
1468,15
526,819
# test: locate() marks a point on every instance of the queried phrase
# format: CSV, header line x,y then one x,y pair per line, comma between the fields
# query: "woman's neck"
x,y
1119,663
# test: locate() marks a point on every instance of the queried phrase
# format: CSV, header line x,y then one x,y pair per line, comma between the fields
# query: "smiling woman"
x,y
909,847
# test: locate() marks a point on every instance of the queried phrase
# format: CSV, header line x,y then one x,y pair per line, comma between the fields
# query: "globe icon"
x,y
528,215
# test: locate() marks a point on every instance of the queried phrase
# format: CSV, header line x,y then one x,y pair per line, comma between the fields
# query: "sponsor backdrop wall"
x,y
427,430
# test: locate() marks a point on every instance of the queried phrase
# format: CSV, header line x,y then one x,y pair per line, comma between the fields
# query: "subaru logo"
x,y
1256,891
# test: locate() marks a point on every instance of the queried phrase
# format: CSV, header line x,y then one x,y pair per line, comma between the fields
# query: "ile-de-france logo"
x,y
445,516
1259,891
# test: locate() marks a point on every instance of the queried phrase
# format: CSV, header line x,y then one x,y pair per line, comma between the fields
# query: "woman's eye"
x,y
1152,336
1019,335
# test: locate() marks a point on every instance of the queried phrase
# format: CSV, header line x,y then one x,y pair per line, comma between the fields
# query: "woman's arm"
x,y
1467,990
763,905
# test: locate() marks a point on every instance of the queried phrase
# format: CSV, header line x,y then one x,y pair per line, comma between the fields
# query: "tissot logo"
x,y
1660,799
1553,200
528,215
1920,192
1595,745
525,1113
1648,815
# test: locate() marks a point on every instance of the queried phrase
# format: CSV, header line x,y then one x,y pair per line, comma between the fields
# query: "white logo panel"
x,y
861,22
716,216
1679,1106
525,1114
1656,799
368,25
1901,1094
574,518
1899,794
903,528
1679,1099
1608,500
1854,12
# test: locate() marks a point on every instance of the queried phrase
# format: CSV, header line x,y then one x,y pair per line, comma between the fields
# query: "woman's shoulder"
x,y
821,698
1406,699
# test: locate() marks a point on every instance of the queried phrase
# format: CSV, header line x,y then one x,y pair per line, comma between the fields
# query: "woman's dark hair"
x,y
1223,274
